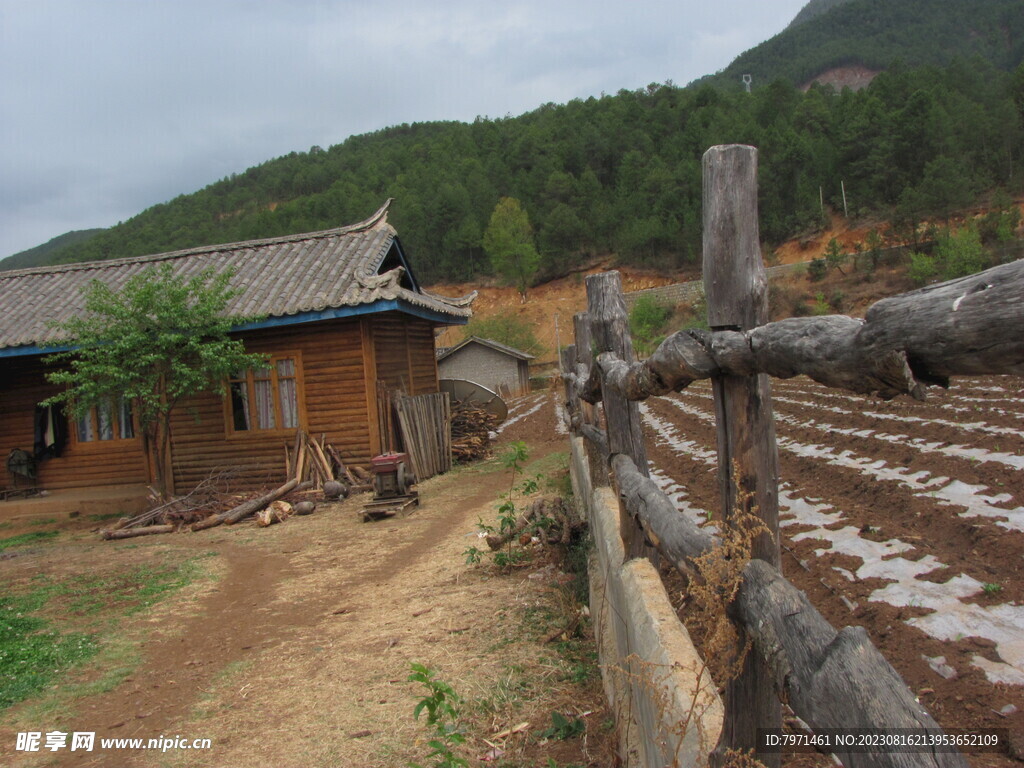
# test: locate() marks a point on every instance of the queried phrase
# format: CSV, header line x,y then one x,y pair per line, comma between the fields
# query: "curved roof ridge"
x,y
379,218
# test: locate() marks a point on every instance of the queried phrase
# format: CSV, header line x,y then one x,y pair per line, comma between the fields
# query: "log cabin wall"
x,y
332,398
335,398
85,464
404,351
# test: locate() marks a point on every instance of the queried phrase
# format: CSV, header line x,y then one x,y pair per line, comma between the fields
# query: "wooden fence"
x,y
967,326
426,426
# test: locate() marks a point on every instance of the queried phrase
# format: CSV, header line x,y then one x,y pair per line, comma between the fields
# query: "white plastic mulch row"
x,y
952,619
520,409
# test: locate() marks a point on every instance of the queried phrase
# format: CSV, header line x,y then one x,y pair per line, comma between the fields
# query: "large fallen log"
x,y
250,507
131,533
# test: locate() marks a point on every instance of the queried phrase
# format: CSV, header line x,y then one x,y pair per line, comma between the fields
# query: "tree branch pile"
x,y
471,426
550,519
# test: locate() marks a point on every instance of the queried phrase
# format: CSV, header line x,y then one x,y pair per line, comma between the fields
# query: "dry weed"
x,y
714,585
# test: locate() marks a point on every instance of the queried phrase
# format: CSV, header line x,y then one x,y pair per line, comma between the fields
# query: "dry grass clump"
x,y
717,576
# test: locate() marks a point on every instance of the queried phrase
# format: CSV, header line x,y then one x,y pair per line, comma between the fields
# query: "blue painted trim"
x,y
32,350
334,313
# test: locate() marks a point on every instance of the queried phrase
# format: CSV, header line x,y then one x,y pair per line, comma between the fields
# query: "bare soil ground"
x,y
905,518
295,647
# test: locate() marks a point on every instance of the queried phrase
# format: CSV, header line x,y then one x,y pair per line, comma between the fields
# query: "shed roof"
x,y
297,278
503,348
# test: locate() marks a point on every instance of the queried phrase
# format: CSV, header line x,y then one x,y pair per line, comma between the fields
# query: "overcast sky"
x,y
110,106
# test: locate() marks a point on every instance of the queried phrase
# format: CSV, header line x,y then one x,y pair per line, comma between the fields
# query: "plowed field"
x,y
905,518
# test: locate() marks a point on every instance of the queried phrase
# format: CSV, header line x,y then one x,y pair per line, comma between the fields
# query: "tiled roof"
x,y
278,277
495,345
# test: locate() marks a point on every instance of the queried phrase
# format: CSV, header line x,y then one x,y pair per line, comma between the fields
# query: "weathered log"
x,y
736,288
963,327
826,349
300,457
244,510
588,383
609,326
904,343
131,533
566,363
249,507
678,361
675,535
598,438
321,462
830,679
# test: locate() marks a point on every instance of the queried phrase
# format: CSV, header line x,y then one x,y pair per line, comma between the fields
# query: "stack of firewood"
x,y
315,461
309,465
471,427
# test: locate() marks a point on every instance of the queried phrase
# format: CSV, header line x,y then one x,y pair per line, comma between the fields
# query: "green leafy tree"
x,y
158,340
960,253
508,242
834,256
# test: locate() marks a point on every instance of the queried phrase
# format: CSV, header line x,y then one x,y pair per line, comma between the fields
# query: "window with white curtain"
x,y
109,420
265,398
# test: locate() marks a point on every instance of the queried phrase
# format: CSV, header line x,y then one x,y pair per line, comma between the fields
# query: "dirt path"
x,y
298,653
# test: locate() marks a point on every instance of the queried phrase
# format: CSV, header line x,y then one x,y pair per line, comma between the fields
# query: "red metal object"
x,y
388,462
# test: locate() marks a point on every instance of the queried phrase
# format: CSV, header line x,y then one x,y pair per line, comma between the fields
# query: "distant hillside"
x,y
873,34
814,9
42,254
621,174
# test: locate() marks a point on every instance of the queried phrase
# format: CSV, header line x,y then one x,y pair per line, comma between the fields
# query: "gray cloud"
x,y
112,107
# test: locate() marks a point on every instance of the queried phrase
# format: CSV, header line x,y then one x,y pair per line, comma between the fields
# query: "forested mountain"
x,y
813,9
41,254
874,33
622,173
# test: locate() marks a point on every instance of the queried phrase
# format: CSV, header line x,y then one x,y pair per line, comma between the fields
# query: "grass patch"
x,y
53,625
32,653
23,539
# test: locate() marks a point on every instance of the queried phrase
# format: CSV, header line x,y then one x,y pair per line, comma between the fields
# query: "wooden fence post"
x,y
609,326
737,298
588,412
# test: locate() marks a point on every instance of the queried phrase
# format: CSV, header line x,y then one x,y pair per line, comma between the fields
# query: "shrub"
x,y
505,328
647,322
923,268
816,269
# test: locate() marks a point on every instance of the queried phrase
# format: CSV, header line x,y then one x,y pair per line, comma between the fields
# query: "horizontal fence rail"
x,y
968,326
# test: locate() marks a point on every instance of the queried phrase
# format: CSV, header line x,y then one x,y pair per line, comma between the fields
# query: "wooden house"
x,y
500,368
344,322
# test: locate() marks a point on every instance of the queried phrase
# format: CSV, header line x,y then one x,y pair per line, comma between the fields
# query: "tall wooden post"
x,y
588,412
609,326
737,295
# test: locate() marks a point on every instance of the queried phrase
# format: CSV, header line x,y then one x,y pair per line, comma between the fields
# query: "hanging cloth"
x,y
51,431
